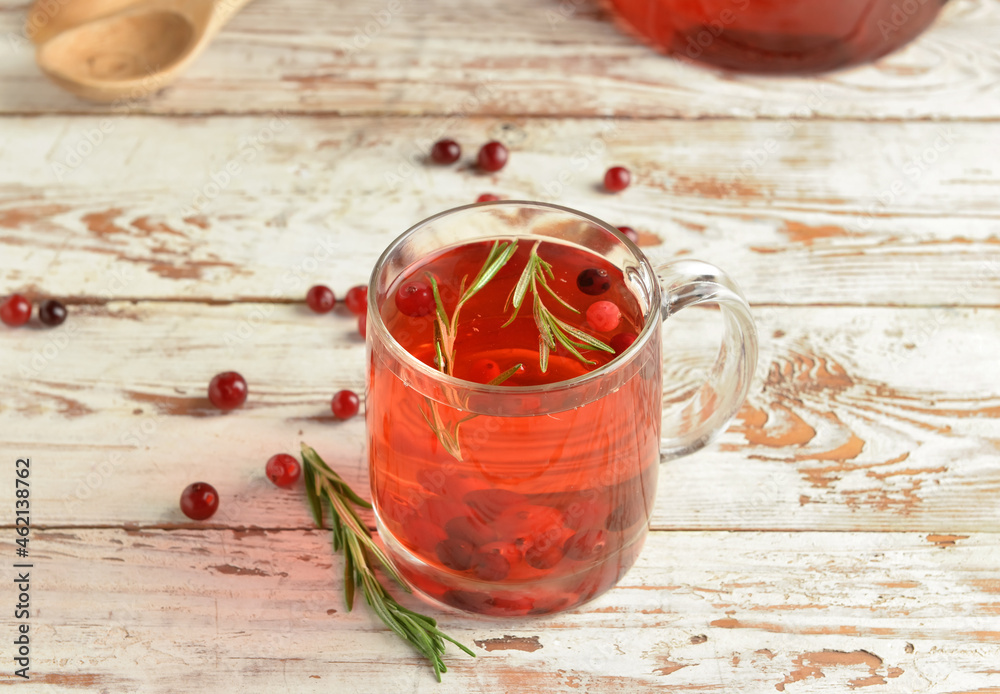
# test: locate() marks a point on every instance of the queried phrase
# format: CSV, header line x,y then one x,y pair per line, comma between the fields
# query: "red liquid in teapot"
x,y
777,36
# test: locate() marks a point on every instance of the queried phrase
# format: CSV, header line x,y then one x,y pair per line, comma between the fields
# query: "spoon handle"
x,y
223,11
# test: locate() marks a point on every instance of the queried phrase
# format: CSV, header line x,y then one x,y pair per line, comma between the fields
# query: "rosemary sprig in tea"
x,y
445,328
551,330
352,536
447,432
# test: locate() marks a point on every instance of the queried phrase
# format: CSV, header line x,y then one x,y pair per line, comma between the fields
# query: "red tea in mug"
x,y
529,511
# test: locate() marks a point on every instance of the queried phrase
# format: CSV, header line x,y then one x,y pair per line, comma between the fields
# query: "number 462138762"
x,y
22,505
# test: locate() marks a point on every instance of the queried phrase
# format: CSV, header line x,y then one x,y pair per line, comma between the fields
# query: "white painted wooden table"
x,y
843,534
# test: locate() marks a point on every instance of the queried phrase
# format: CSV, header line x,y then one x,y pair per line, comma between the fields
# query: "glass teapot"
x,y
777,36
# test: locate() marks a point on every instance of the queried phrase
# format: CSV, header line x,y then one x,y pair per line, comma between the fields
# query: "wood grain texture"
x,y
842,535
130,611
522,57
230,208
857,420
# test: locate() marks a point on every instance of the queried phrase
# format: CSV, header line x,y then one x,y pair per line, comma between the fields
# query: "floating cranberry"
x,y
630,233
455,554
363,325
445,152
199,501
488,197
593,281
471,530
227,390
585,545
415,299
15,311
604,316
356,299
492,156
345,404
490,566
52,313
282,469
616,179
622,341
320,299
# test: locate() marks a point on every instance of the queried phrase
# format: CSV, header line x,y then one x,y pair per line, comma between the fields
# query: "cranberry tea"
x,y
513,406
553,504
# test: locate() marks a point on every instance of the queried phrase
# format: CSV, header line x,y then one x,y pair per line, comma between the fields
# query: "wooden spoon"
x,y
128,50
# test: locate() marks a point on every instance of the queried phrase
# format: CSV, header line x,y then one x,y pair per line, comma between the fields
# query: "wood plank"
x,y
528,58
823,218
861,419
134,610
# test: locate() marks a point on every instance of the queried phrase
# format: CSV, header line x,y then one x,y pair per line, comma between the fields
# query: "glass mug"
x,y
777,36
510,500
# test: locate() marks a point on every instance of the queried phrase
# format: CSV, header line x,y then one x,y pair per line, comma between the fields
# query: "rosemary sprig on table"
x,y
351,536
445,328
551,330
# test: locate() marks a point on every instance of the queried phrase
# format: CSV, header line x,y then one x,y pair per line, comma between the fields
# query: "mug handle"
x,y
705,414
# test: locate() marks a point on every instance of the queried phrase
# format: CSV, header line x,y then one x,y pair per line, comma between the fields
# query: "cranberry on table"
x,y
52,313
617,179
488,197
356,299
199,501
629,233
345,404
593,281
622,341
604,316
492,156
320,299
282,469
227,390
415,299
15,311
445,152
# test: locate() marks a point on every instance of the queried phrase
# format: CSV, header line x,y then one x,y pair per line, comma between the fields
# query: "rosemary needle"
x,y
351,536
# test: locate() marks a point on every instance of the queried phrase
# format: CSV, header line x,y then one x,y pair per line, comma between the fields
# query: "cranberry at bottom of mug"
x,y
445,589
